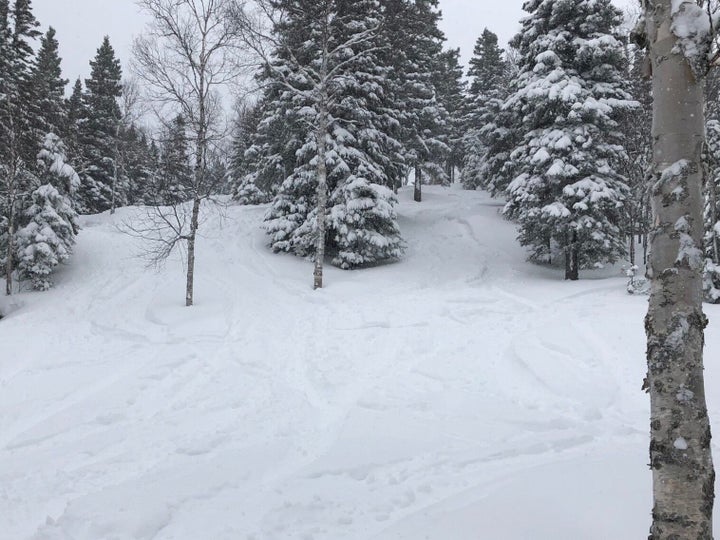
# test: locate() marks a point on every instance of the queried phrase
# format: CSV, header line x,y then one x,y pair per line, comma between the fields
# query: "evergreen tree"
x,y
251,183
711,275
24,35
138,165
49,112
348,110
99,132
18,147
413,48
568,96
483,137
450,89
636,124
47,238
54,169
175,176
75,115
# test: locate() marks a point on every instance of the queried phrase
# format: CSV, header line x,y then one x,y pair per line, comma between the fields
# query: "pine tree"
x,y
174,180
54,168
450,89
635,125
23,36
75,115
99,131
568,96
18,147
488,89
138,165
343,117
711,273
47,238
249,160
413,48
49,112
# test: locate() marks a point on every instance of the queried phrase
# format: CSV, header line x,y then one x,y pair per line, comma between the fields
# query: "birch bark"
x,y
680,456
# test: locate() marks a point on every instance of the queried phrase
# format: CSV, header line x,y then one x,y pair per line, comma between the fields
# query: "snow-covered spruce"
x,y
363,216
54,169
47,238
566,192
98,132
413,48
251,145
488,70
711,274
174,180
360,153
48,224
636,125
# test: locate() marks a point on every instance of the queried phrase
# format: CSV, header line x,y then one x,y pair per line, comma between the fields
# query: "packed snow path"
x,y
459,394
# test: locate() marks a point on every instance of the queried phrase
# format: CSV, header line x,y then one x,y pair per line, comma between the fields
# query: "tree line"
x,y
557,124
83,153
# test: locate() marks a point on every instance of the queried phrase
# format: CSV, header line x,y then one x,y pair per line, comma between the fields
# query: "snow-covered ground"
x,y
459,394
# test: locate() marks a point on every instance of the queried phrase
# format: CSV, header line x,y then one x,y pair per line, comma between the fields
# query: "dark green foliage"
x,y
414,47
48,110
450,89
486,143
99,129
174,179
253,180
567,192
363,156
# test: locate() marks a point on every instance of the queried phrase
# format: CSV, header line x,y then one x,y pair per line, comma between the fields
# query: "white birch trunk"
x,y
320,134
190,283
321,200
199,180
680,457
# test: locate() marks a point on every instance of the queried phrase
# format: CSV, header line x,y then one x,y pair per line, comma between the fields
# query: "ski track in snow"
x,y
460,393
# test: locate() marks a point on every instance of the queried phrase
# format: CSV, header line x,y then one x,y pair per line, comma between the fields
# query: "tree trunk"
x,y
10,254
321,200
190,283
114,186
571,256
680,456
417,195
115,172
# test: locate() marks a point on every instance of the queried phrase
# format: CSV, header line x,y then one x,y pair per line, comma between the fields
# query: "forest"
x,y
397,108
508,218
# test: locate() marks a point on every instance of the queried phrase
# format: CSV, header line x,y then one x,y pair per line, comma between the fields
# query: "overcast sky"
x,y
81,25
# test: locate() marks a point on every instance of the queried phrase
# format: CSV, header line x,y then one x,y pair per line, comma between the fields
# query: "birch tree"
x,y
678,35
186,56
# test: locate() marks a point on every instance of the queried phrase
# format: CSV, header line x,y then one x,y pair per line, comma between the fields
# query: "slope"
x,y
461,393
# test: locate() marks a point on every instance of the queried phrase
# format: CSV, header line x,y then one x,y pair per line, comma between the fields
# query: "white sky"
x,y
81,25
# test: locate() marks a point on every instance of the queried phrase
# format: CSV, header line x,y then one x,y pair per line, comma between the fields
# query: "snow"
x,y
680,443
691,25
460,393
